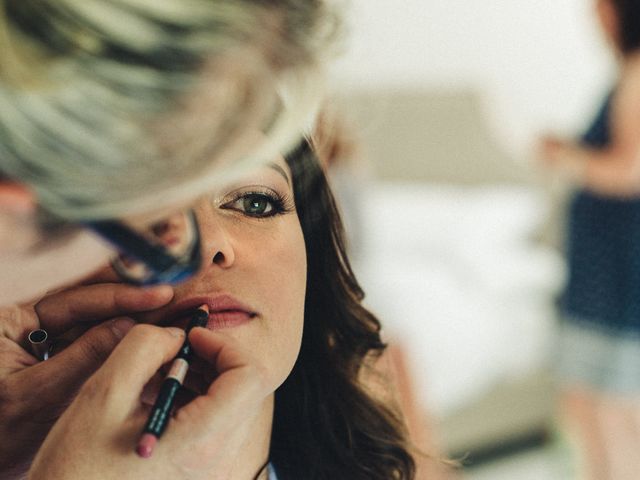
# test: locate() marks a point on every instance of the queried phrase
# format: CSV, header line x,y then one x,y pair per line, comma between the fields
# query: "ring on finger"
x,y
40,344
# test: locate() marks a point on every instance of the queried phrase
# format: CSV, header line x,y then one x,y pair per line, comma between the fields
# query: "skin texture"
x,y
224,432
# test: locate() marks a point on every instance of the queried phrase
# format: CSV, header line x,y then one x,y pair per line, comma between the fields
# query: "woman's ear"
x,y
16,198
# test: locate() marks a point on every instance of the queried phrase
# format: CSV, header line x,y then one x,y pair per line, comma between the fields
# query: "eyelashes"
x,y
258,203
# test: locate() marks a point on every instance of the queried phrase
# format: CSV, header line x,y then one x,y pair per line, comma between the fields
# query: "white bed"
x,y
446,241
457,276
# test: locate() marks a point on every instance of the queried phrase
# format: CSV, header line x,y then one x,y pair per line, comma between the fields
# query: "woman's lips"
x,y
228,318
224,311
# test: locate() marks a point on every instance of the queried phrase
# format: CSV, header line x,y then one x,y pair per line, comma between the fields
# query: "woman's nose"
x,y
216,243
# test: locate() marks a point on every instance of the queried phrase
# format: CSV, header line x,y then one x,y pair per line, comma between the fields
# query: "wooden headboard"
x,y
429,135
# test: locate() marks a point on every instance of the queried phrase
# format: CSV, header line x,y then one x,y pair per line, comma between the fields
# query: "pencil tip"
x,y
145,445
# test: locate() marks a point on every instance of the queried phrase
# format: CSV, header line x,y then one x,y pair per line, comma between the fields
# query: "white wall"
x,y
538,64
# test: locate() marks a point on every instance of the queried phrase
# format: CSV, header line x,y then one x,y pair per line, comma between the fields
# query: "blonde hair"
x,y
115,107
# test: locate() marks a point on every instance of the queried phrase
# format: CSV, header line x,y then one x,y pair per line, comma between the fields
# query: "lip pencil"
x,y
161,411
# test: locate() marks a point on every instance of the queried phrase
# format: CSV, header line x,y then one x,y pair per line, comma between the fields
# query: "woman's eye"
x,y
259,205
256,205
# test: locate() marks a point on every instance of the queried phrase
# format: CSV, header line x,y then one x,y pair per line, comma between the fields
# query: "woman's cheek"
x,y
289,287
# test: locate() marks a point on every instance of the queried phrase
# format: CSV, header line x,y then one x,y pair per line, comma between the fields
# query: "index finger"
x,y
90,303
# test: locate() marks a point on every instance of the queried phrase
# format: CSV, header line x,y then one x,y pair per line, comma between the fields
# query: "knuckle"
x,y
101,389
96,350
94,390
146,332
148,337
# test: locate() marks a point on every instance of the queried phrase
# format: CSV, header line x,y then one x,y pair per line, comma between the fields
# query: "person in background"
x,y
599,345
113,113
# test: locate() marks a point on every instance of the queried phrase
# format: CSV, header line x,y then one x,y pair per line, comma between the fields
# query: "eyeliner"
x,y
161,411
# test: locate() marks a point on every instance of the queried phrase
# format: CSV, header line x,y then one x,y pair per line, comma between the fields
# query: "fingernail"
x,y
121,326
175,331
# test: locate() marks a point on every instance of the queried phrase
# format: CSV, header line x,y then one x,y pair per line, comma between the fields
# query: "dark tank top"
x,y
603,250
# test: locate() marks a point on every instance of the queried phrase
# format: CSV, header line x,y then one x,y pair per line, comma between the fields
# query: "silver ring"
x,y
40,343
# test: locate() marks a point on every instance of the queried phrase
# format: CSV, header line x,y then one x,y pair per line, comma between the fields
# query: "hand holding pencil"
x,y
163,406
101,428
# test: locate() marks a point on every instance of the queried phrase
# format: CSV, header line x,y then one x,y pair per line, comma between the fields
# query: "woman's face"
x,y
254,268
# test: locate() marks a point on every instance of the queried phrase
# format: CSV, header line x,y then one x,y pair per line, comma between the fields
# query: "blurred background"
x,y
455,231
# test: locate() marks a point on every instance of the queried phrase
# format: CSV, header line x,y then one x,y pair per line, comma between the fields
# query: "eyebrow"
x,y
280,170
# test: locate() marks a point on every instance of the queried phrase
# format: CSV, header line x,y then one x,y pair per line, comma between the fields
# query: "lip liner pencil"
x,y
161,411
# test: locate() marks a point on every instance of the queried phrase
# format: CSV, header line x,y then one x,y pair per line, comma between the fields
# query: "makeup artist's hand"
x,y
34,394
96,437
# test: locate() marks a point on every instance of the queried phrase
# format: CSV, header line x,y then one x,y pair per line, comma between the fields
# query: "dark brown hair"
x,y
326,425
628,12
